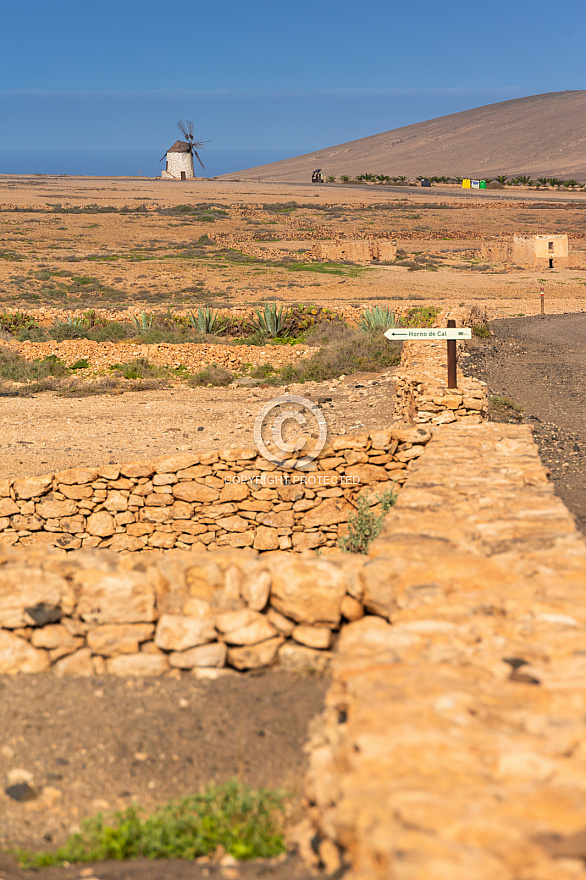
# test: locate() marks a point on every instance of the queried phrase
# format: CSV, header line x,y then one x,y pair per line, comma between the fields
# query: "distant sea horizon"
x,y
131,163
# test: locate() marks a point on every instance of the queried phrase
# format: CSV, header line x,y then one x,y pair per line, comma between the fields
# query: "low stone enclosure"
x,y
236,498
451,745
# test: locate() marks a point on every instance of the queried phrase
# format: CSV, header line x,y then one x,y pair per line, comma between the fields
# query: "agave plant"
x,y
206,321
272,321
377,318
142,322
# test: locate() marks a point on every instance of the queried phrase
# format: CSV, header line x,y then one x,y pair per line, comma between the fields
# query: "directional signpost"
x,y
451,334
404,334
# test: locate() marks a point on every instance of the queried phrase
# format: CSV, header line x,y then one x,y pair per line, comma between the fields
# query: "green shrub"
x,y
15,368
247,823
263,371
505,402
482,331
212,375
139,368
81,364
342,350
365,525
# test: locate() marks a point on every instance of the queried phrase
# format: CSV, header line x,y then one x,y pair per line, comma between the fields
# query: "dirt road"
x,y
540,364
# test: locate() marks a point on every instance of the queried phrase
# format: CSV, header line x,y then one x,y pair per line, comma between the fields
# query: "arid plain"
x,y
144,247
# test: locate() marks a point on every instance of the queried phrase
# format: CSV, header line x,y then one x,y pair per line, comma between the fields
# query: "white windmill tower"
x,y
179,165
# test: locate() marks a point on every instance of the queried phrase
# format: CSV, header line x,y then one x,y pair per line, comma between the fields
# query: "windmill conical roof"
x,y
179,147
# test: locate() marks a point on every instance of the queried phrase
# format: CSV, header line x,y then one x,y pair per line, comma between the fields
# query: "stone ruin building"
x,y
541,251
355,251
533,251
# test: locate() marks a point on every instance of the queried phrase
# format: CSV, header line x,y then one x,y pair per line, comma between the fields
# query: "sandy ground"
x,y
46,433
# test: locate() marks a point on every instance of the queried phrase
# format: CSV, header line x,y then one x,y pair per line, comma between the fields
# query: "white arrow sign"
x,y
429,333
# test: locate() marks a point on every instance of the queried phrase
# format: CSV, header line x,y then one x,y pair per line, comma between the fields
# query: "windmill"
x,y
179,157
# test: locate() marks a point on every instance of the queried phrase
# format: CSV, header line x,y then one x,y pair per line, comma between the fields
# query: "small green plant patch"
x,y
80,364
247,823
505,402
364,525
481,331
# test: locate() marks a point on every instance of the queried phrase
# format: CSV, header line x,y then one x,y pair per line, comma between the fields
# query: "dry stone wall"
x,y
233,498
452,743
355,251
95,612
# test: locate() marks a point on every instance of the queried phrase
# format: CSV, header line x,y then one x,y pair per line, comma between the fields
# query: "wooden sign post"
x,y
451,334
452,373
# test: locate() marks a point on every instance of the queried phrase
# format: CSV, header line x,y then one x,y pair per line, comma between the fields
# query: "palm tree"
x,y
542,181
524,180
502,178
400,179
331,179
344,178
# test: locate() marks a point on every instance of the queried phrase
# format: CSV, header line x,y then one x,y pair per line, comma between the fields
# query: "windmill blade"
x,y
163,157
182,128
190,129
198,159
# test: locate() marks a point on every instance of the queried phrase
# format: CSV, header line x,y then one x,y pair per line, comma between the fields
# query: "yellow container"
x,y
466,183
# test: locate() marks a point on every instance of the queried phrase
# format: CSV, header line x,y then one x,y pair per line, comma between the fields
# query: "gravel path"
x,y
540,363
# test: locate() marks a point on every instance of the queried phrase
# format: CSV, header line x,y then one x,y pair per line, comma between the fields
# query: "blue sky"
x,y
268,75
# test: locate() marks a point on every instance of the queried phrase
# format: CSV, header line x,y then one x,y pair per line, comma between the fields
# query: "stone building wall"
x,y
176,163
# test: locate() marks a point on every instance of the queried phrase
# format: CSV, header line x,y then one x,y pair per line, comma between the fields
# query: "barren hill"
x,y
543,136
